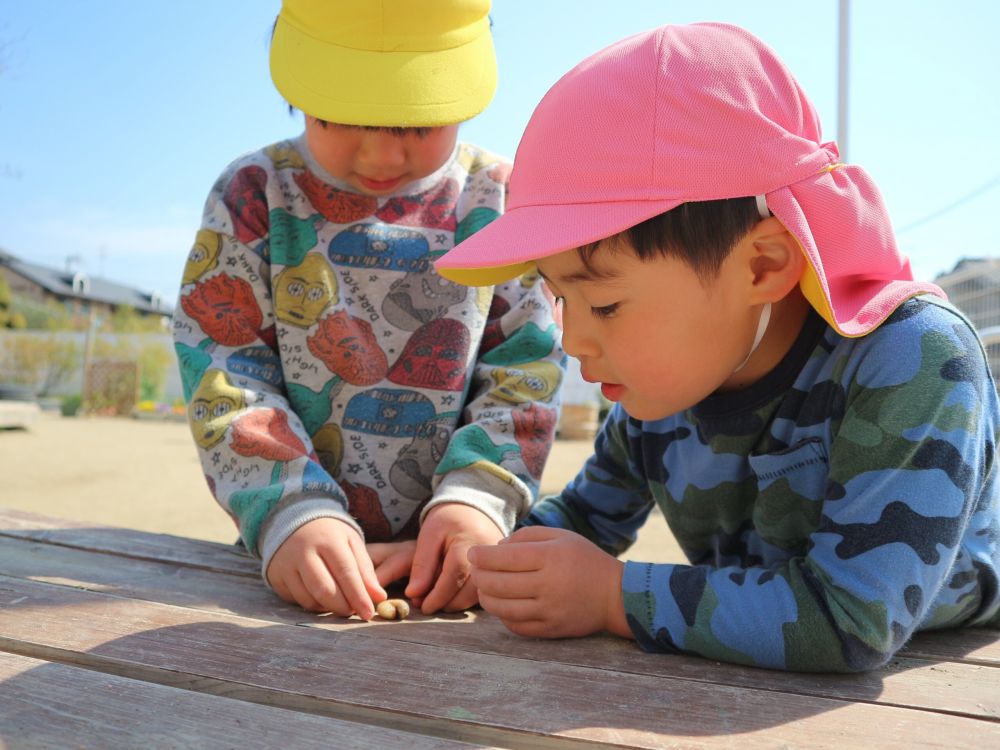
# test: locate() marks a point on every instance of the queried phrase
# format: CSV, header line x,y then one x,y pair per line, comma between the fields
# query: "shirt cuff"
x,y
504,500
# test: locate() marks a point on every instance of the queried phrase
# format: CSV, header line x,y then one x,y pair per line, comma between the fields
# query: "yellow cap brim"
x,y
485,276
394,89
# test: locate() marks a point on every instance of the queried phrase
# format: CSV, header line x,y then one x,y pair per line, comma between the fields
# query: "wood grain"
x,y
908,682
443,691
49,705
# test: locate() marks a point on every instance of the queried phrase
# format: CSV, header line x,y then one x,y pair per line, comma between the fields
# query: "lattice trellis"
x,y
974,288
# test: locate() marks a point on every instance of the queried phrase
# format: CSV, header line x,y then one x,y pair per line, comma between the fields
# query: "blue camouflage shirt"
x,y
830,510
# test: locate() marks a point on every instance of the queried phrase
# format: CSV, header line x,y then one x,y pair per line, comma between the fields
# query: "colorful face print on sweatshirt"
x,y
204,255
532,381
413,470
303,292
226,309
419,298
213,406
379,247
246,199
434,357
347,346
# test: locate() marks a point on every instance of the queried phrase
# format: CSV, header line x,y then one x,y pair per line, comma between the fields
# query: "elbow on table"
x,y
863,649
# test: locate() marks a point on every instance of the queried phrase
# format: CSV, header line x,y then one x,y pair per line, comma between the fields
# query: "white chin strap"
x,y
765,318
765,314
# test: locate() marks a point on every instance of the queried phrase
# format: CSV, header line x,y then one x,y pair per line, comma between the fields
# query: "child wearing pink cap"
x,y
818,429
360,418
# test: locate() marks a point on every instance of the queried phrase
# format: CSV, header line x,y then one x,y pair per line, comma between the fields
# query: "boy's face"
x,y
378,161
657,336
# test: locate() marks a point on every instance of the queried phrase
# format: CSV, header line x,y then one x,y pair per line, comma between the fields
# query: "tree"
x,y
5,302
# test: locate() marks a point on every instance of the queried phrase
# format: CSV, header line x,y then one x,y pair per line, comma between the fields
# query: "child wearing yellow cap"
x,y
361,418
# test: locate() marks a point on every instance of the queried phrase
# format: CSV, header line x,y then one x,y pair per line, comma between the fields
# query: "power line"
x,y
952,206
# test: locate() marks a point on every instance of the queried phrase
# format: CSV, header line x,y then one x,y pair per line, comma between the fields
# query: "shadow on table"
x,y
467,669
399,684
465,666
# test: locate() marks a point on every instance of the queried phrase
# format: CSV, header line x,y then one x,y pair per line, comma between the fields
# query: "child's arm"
x,y
254,448
609,499
493,463
909,471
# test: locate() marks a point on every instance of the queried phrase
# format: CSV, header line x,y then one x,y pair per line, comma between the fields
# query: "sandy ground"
x,y
145,475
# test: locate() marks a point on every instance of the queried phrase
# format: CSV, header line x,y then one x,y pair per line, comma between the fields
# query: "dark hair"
x,y
701,233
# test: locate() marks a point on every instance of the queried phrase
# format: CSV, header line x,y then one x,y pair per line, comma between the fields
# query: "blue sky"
x,y
117,116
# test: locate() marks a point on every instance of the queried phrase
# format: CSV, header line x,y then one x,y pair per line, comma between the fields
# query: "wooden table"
x,y
111,638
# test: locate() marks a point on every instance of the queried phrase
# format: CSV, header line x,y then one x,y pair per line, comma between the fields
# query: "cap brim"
x,y
361,87
509,246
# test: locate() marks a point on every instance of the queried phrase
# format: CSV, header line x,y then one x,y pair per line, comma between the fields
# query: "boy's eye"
x,y
604,312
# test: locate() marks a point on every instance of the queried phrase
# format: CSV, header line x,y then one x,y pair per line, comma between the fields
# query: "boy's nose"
x,y
576,341
381,149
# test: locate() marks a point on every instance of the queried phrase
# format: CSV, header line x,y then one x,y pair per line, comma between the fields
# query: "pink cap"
x,y
692,113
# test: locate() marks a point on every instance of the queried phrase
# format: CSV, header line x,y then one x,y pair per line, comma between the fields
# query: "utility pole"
x,y
843,70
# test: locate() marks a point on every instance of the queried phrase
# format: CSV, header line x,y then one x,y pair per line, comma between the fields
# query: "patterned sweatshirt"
x,y
330,372
844,501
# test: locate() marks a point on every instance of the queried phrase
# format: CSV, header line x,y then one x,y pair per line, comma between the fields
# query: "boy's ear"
x,y
775,260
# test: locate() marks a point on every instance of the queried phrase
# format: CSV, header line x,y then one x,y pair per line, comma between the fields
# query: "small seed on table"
x,y
392,609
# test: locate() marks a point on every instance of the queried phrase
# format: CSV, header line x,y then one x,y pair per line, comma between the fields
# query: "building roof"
x,y
986,271
78,285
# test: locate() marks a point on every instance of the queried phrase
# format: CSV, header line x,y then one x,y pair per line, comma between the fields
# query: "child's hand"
x,y
323,567
550,583
439,578
392,560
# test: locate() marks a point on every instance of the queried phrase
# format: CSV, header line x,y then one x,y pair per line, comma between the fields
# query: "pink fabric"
x,y
691,113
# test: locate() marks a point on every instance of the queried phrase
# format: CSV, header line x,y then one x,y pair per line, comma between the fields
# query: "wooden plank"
x,y
977,646
443,692
45,705
962,689
139,545
971,645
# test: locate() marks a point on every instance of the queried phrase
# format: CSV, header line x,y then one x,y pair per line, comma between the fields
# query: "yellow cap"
x,y
403,63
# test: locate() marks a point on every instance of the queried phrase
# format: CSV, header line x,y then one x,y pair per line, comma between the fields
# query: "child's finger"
x,y
505,585
466,598
392,569
300,593
426,563
535,534
344,568
367,570
379,552
321,586
512,557
514,610
454,574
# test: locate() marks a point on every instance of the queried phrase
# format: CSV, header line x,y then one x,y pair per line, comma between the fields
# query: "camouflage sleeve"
x,y
256,455
908,465
494,460
609,499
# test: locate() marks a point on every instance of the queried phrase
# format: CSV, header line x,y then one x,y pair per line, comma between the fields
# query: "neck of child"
x,y
788,315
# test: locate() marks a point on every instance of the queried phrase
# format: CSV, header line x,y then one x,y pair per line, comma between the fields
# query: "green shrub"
x,y
70,405
37,361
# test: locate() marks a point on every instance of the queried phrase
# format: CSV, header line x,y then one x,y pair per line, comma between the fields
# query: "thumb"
x,y
534,534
